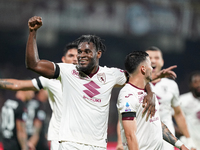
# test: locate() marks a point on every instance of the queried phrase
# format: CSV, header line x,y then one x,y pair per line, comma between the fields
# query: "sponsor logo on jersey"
x,y
128,95
92,99
153,119
75,73
101,77
127,107
91,86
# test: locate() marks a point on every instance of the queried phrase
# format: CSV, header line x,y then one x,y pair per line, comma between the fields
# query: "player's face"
x,y
195,85
88,57
156,60
70,57
148,70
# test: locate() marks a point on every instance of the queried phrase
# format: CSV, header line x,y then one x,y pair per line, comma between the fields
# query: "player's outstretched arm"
x,y
170,138
166,73
15,85
43,67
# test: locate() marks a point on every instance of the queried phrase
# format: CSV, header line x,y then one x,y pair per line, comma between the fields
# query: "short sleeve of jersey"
x,y
63,67
175,101
119,75
40,113
20,111
127,102
35,84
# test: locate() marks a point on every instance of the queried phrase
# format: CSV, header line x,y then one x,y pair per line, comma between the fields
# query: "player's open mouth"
x,y
154,67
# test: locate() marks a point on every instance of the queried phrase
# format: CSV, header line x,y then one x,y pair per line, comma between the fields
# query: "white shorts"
x,y
78,146
54,145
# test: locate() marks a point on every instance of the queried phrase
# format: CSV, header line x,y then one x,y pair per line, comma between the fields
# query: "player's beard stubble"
x,y
88,69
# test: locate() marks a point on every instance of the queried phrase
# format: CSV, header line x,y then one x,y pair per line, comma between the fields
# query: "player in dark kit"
x,y
36,123
13,125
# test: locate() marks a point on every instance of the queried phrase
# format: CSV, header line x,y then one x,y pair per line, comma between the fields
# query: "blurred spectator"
x,y
36,121
13,121
190,104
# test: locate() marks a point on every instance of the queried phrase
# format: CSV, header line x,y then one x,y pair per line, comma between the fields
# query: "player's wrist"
x,y
178,144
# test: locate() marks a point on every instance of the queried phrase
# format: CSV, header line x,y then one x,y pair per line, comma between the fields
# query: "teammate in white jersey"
x,y
137,132
54,92
190,104
86,90
167,93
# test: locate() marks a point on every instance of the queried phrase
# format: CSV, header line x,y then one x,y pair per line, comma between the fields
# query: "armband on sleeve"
x,y
39,83
57,71
128,115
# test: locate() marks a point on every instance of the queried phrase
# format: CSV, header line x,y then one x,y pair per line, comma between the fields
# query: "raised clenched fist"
x,y
34,23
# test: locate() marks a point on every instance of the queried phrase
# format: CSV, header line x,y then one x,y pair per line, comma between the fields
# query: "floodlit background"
x,y
125,25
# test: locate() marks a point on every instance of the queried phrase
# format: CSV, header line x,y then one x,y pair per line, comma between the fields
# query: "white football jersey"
x,y
191,108
86,104
149,133
54,89
167,93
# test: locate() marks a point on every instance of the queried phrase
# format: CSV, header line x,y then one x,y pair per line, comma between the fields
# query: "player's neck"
x,y
138,81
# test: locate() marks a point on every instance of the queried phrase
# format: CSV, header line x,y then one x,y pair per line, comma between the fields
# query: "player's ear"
x,y
63,59
143,69
99,53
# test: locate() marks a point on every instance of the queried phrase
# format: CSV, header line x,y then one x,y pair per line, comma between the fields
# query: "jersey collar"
x,y
136,86
92,74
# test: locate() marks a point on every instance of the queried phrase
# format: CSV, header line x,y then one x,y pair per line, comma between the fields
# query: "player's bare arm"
x,y
15,85
130,128
43,67
170,138
181,122
21,134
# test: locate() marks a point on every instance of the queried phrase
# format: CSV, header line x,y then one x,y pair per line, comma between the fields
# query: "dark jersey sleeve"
x,y
20,112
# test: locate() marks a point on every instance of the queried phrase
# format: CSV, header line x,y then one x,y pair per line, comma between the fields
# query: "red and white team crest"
x,y
101,77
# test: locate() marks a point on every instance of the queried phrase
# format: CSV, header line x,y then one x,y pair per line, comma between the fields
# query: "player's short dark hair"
x,y
97,41
133,60
193,74
154,48
69,46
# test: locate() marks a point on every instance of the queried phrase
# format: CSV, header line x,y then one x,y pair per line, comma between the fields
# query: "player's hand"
x,y
149,105
119,147
166,73
34,23
31,146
